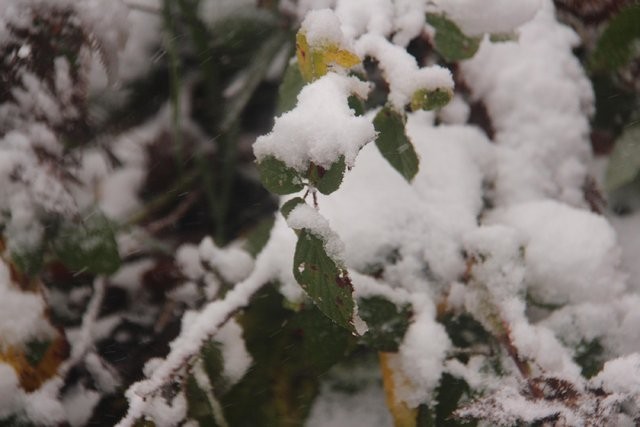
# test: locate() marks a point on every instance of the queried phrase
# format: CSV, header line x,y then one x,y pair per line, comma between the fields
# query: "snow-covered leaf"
x,y
290,205
277,177
315,60
394,144
450,41
37,362
87,246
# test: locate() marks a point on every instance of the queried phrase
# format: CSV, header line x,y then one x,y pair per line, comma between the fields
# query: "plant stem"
x,y
174,72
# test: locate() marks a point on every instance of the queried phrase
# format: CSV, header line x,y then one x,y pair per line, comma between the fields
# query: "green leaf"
x,y
431,99
322,342
393,143
15,421
279,178
328,285
259,236
28,261
449,392
213,364
36,351
387,322
253,74
291,350
88,245
235,38
616,46
198,406
426,417
503,37
591,356
327,180
356,105
292,84
450,41
624,162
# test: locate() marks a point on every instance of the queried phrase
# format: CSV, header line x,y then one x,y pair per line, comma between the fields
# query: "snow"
x,y
374,223
322,28
539,344
620,375
476,17
197,327
143,38
421,356
234,354
538,240
305,217
129,275
22,314
365,16
401,71
233,263
334,408
498,264
108,24
188,260
105,379
167,412
9,390
539,100
571,256
79,403
321,128
408,20
456,112
508,407
42,407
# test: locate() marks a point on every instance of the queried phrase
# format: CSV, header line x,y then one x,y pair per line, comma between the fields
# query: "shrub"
x,y
431,247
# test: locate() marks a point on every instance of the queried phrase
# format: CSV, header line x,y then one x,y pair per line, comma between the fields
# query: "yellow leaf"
x,y
403,416
32,376
315,61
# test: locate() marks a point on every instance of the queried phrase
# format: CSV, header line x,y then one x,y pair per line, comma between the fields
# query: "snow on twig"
x,y
196,329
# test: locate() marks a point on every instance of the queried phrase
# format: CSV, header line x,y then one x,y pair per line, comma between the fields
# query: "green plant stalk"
x,y
253,75
174,72
211,177
164,199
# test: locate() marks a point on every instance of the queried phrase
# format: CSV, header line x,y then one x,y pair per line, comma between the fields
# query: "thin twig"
x,y
187,345
523,366
85,341
175,215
